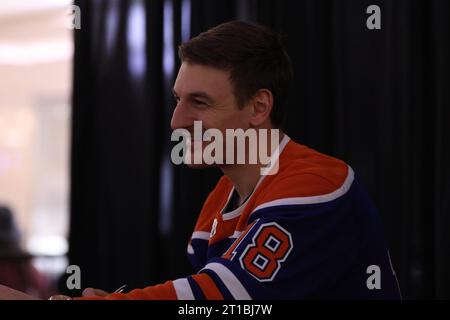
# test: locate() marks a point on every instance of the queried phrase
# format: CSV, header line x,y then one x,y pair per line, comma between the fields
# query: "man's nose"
x,y
181,117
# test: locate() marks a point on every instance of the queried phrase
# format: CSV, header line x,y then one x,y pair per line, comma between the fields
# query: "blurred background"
x,y
36,54
85,140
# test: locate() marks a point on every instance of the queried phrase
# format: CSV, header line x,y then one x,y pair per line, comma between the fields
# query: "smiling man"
x,y
305,231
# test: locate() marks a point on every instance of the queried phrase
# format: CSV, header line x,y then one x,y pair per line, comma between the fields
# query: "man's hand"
x,y
91,292
11,294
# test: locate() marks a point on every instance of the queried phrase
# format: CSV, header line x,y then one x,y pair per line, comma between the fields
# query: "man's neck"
x,y
245,177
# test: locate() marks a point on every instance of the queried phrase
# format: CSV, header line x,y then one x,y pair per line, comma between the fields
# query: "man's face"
x,y
205,94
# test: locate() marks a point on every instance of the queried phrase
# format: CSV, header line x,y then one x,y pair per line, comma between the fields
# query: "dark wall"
x,y
378,99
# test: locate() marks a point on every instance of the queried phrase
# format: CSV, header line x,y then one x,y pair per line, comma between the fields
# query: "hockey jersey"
x,y
308,232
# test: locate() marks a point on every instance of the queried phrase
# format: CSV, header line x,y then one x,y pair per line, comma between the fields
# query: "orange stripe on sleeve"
x,y
164,291
208,287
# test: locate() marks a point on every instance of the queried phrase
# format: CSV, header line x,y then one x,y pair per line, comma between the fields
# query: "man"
x,y
306,230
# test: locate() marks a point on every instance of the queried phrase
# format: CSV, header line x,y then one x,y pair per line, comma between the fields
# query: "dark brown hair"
x,y
254,56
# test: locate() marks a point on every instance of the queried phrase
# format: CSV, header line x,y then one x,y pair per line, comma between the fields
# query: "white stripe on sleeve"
x,y
183,289
232,283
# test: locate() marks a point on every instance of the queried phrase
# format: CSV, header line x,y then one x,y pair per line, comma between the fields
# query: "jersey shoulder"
x,y
306,174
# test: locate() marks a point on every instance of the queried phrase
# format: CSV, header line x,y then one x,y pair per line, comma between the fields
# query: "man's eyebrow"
x,y
197,94
201,94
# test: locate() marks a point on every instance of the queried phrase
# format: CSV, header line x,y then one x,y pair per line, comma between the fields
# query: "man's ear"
x,y
261,104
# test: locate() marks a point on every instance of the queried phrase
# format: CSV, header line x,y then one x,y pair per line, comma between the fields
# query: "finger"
x,y
100,292
89,292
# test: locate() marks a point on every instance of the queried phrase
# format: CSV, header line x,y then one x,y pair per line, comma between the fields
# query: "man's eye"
x,y
198,103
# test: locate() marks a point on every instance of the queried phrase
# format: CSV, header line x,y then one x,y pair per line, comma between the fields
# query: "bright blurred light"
x,y
136,34
168,50
12,7
18,54
47,245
